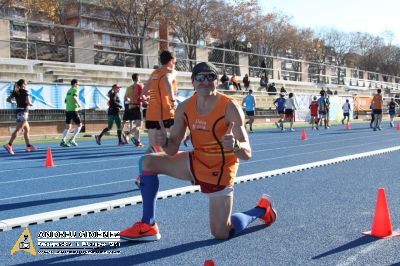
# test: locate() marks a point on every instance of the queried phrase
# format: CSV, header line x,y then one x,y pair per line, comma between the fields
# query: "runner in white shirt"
x,y
346,111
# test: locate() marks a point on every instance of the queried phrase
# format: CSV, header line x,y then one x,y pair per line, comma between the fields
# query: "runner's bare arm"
x,y
178,131
145,91
168,79
234,113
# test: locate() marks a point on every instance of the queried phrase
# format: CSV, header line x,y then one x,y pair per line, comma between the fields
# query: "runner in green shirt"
x,y
71,113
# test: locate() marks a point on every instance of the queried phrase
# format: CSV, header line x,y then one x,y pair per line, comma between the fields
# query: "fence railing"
x,y
41,41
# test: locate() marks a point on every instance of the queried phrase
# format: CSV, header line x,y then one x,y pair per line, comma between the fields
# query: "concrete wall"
x,y
83,39
244,64
150,49
4,38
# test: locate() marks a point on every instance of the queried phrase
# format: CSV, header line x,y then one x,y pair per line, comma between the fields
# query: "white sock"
x,y
76,131
64,134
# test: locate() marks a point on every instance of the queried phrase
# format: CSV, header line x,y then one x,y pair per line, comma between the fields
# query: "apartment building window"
x,y
84,22
105,39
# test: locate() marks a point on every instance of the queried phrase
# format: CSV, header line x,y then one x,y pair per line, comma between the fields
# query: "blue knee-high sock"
x,y
149,185
241,220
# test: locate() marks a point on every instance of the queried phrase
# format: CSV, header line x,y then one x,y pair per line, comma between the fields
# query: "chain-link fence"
x,y
61,43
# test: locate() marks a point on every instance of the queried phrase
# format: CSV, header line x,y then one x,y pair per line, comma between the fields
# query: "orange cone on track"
x,y
347,125
303,135
381,225
209,263
398,126
49,159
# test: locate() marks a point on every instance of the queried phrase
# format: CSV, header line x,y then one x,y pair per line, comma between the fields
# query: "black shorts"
x,y
288,111
281,112
132,114
155,125
377,111
72,115
250,113
346,114
144,113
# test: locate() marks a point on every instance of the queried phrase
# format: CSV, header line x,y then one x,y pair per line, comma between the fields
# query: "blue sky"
x,y
374,17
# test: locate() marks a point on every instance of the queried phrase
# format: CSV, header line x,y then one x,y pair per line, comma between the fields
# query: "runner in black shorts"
x,y
133,112
21,96
71,114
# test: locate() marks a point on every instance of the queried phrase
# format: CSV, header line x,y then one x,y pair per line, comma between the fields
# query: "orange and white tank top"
x,y
210,163
377,100
160,106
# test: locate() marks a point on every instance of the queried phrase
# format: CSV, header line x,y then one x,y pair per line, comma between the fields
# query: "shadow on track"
x,y
142,257
353,244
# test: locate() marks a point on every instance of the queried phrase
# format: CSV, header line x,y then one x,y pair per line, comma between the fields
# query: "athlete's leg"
x,y
15,134
220,211
152,138
26,133
76,132
138,126
65,132
117,121
159,163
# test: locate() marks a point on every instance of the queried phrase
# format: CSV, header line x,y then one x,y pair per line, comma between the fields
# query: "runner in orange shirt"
x,y
377,103
160,90
219,138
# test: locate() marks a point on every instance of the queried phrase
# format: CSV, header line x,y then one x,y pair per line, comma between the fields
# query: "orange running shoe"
x,y
137,181
141,231
270,214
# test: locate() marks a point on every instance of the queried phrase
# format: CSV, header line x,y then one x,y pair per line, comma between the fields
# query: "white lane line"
x,y
311,144
76,173
310,152
113,204
242,162
65,190
253,145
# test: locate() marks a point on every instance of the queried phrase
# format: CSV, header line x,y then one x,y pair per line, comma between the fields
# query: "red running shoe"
x,y
9,148
270,214
141,231
137,181
30,148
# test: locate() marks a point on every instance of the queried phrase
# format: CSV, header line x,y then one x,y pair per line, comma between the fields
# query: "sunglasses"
x,y
201,77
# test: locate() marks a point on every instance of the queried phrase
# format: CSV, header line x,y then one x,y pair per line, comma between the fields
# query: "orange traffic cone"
x,y
347,125
49,158
303,135
381,225
398,126
209,263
